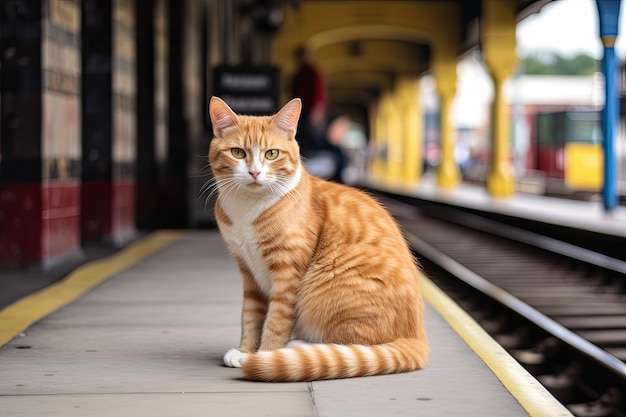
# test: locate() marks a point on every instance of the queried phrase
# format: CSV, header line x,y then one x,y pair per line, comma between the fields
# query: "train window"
x,y
545,129
583,127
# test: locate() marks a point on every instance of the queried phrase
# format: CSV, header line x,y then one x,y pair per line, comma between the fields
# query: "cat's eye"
x,y
238,153
271,154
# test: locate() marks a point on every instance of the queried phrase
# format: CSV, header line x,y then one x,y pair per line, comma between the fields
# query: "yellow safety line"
x,y
21,314
532,396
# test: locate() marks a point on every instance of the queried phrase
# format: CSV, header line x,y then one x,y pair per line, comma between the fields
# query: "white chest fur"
x,y
243,209
242,241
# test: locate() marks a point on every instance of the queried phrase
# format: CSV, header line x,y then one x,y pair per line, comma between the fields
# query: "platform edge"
x,y
532,396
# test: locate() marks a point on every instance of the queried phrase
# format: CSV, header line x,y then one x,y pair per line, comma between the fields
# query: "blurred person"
x,y
308,85
322,158
336,132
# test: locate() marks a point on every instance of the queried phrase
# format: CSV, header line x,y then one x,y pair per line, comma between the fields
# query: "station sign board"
x,y
251,90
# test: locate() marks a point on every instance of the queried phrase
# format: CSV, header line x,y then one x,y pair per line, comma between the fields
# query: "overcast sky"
x,y
568,27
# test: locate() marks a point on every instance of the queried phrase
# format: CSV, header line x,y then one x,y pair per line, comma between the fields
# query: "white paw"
x,y
296,342
234,358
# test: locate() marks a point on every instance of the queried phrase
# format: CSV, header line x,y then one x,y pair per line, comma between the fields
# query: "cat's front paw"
x,y
234,358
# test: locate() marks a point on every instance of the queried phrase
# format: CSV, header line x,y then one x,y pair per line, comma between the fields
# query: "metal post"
x,y
608,11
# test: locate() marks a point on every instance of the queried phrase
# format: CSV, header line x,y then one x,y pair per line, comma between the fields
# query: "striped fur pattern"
x,y
321,262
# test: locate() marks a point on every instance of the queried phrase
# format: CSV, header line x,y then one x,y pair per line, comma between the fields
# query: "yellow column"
x,y
393,139
412,129
444,71
498,45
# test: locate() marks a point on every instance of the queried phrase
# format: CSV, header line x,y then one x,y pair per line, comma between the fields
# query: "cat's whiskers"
x,y
222,185
209,186
208,183
206,168
283,186
230,185
225,185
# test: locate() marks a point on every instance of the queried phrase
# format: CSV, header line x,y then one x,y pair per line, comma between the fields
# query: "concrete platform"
x,y
583,215
146,338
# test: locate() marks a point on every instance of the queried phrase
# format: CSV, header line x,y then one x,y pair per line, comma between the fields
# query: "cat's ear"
x,y
222,116
287,118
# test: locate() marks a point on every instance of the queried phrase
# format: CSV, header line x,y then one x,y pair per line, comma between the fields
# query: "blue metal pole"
x,y
608,11
609,127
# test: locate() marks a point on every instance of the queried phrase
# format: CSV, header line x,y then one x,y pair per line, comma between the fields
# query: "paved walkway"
x,y
149,342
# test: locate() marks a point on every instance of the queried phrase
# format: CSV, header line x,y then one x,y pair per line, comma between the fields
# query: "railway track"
x,y
559,309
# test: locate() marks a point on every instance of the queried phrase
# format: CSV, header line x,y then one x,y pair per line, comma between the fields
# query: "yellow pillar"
x,y
444,71
393,139
498,45
407,97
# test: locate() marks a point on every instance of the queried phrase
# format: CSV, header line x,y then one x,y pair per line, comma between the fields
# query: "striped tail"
x,y
311,362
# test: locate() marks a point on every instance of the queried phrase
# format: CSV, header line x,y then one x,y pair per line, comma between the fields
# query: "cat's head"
x,y
255,153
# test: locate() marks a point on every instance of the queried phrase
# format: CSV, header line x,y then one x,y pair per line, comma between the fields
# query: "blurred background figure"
x,y
322,157
308,85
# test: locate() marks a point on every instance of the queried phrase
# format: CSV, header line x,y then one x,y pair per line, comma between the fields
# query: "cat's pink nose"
x,y
254,174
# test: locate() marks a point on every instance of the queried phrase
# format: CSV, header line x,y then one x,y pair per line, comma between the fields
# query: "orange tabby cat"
x,y
320,261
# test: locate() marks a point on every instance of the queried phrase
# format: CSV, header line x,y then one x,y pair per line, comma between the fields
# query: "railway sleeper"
x,y
607,405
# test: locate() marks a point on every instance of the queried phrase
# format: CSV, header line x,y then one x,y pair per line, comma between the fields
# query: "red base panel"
x,y
108,210
38,221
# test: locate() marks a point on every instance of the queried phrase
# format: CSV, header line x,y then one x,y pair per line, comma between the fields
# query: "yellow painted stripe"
x,y
26,311
532,396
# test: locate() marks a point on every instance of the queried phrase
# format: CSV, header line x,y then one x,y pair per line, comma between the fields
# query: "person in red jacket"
x,y
308,85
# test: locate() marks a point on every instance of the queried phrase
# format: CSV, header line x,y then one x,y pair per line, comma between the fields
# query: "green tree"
x,y
556,64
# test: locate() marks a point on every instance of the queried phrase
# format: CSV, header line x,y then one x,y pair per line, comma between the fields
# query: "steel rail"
x,y
536,240
518,306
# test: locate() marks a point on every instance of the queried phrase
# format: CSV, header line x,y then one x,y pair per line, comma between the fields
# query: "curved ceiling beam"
x,y
377,47
347,64
366,32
